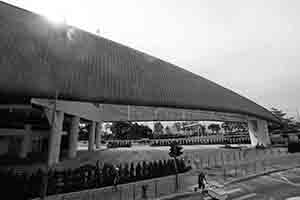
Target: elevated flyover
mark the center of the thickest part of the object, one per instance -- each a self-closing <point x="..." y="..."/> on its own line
<point x="41" y="61"/>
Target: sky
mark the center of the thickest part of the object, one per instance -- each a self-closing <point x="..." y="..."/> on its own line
<point x="249" y="46"/>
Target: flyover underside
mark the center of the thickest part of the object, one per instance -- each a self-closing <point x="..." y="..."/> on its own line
<point x="110" y="112"/>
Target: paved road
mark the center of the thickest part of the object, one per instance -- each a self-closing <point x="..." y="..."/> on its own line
<point x="278" y="186"/>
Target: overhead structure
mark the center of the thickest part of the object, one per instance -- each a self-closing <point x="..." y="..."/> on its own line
<point x="40" y="61"/>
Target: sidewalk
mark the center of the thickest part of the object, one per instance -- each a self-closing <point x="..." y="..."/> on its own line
<point x="222" y="176"/>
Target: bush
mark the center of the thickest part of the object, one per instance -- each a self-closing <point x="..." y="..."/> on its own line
<point x="117" y="144"/>
<point x="28" y="186"/>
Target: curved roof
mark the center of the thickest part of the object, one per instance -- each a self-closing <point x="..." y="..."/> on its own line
<point x="39" y="59"/>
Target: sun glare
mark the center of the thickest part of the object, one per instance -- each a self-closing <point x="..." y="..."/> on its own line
<point x="55" y="13"/>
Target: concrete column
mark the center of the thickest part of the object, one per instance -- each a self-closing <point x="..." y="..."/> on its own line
<point x="258" y="131"/>
<point x="92" y="136"/>
<point x="73" y="138"/>
<point x="98" y="134"/>
<point x="55" y="135"/>
<point x="26" y="142"/>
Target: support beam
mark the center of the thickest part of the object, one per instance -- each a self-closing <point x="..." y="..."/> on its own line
<point x="91" y="146"/>
<point x="26" y="142"/>
<point x="111" y="112"/>
<point x="98" y="134"/>
<point x="55" y="135"/>
<point x="73" y="138"/>
<point x="259" y="133"/>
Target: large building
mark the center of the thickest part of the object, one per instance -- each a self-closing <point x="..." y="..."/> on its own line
<point x="54" y="75"/>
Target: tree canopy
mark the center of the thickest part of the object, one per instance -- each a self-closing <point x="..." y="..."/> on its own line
<point x="129" y="130"/>
<point x="158" y="128"/>
<point x="287" y="123"/>
<point x="215" y="128"/>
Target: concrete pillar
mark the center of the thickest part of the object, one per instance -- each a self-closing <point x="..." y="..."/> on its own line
<point x="73" y="138"/>
<point x="55" y="135"/>
<point x="258" y="131"/>
<point x="98" y="134"/>
<point x="26" y="142"/>
<point x="92" y="136"/>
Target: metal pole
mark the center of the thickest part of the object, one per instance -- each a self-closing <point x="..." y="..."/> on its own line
<point x="208" y="161"/>
<point x="155" y="182"/>
<point x="222" y="158"/>
<point x="120" y="189"/>
<point x="235" y="170"/>
<point x="216" y="160"/>
<point x="133" y="192"/>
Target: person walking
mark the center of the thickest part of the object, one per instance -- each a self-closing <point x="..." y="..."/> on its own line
<point x="201" y="181"/>
<point x="116" y="178"/>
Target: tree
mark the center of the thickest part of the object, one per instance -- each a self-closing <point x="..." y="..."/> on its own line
<point x="174" y="152"/>
<point x="287" y="123"/>
<point x="234" y="126"/>
<point x="129" y="130"/>
<point x="168" y="130"/>
<point x="177" y="126"/>
<point x="120" y="129"/>
<point x="158" y="128"/>
<point x="215" y="128"/>
<point x="107" y="127"/>
<point x="225" y="126"/>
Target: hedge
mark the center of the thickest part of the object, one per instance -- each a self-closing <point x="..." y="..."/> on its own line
<point x="27" y="186"/>
<point x="226" y="140"/>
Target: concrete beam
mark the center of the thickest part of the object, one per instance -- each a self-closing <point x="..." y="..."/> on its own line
<point x="91" y="146"/>
<point x="55" y="135"/>
<point x="110" y="112"/>
<point x="21" y="132"/>
<point x="26" y="142"/>
<point x="258" y="131"/>
<point x="98" y="134"/>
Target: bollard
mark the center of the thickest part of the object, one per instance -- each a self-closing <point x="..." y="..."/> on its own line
<point x="133" y="193"/>
<point x="236" y="170"/>
<point x="208" y="162"/>
<point x="222" y="159"/>
<point x="155" y="188"/>
<point x="216" y="160"/>
<point x="224" y="174"/>
<point x="120" y="189"/>
<point x="234" y="157"/>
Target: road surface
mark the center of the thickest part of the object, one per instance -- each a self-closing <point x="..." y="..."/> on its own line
<point x="277" y="186"/>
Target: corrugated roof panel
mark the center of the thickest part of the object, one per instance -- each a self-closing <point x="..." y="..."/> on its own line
<point x="39" y="58"/>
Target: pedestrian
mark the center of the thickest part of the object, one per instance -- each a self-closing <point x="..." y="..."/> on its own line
<point x="201" y="181"/>
<point x="116" y="178"/>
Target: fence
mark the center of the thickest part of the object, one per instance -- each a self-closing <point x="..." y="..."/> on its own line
<point x="222" y="158"/>
<point x="222" y="165"/>
<point x="147" y="189"/>
<point x="85" y="177"/>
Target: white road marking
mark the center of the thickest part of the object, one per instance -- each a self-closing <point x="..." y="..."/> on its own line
<point x="233" y="190"/>
<point x="293" y="198"/>
<point x="278" y="180"/>
<point x="207" y="198"/>
<point x="290" y="182"/>
<point x="245" y="196"/>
